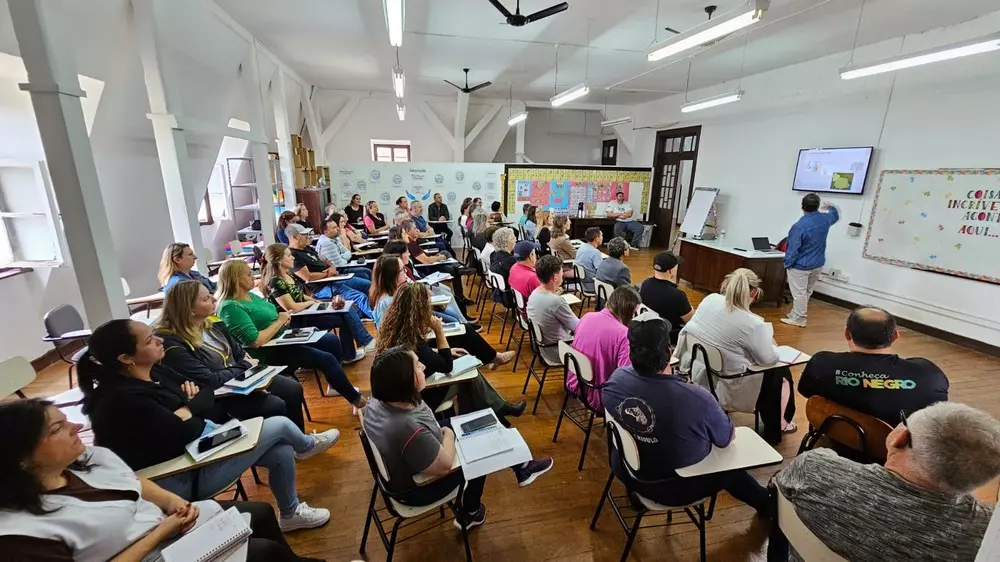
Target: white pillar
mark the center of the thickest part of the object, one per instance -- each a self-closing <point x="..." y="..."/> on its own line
<point x="519" y="143"/>
<point x="46" y="46"/>
<point x="183" y="202"/>
<point x="461" y="114"/>
<point x="258" y="147"/>
<point x="279" y="100"/>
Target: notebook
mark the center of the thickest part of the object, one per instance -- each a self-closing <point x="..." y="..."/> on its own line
<point x="249" y="381"/>
<point x="214" y="540"/>
<point x="484" y="443"/>
<point x="192" y="447"/>
<point x="464" y="364"/>
<point x="788" y="354"/>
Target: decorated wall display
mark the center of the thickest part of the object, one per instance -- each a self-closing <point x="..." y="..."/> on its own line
<point x="385" y="182"/>
<point x="945" y="221"/>
<point x="563" y="188"/>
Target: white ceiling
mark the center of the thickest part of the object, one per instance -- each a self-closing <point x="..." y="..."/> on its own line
<point x="343" y="44"/>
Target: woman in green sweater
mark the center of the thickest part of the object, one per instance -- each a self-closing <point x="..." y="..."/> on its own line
<point x="253" y="322"/>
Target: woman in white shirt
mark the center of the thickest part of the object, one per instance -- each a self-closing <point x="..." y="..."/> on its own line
<point x="744" y="338"/>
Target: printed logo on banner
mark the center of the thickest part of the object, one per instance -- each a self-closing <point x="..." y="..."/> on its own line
<point x="439" y="179"/>
<point x="345" y="195"/>
<point x="346" y="185"/>
<point x="397" y="180"/>
<point x="459" y="176"/>
<point x="452" y="197"/>
<point x="376" y="176"/>
<point x="362" y="186"/>
<point x="384" y="197"/>
<point x="476" y="186"/>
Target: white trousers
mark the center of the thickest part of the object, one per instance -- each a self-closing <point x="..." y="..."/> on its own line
<point x="801" y="282"/>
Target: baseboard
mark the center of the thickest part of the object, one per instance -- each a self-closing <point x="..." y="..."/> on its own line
<point x="949" y="337"/>
<point x="51" y="356"/>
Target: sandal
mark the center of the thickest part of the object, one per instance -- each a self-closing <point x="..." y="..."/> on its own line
<point x="790" y="428"/>
<point x="502" y="359"/>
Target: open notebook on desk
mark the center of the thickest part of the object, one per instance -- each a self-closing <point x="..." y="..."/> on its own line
<point x="488" y="450"/>
<point x="221" y="538"/>
<point x="435" y="278"/>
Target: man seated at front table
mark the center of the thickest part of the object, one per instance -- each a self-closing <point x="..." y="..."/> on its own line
<point x="661" y="294"/>
<point x="553" y="316"/>
<point x="621" y="211"/>
<point x="411" y="236"/>
<point x="523" y="278"/>
<point x="417" y="216"/>
<point x="613" y="270"/>
<point x="871" y="378"/>
<point x="309" y="266"/>
<point x="332" y="249"/>
<point x="589" y="257"/>
<point x="675" y="423"/>
<point x="919" y="506"/>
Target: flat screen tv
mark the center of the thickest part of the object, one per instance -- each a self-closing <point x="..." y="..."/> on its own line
<point x="833" y="170"/>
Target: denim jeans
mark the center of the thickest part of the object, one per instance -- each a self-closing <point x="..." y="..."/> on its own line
<point x="323" y="355"/>
<point x="633" y="228"/>
<point x="283" y="398"/>
<point x="279" y="441"/>
<point x="359" y="271"/>
<point x="356" y="290"/>
<point x="348" y="324"/>
<point x="451" y="309"/>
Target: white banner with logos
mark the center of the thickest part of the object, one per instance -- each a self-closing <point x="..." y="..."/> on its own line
<point x="385" y="182"/>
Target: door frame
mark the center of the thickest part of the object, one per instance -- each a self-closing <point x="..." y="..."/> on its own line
<point x="659" y="157"/>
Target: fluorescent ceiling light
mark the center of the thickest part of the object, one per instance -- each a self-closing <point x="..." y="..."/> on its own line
<point x="619" y="121"/>
<point x="398" y="80"/>
<point x="713" y="101"/>
<point x="711" y="30"/>
<point x="576" y="92"/>
<point x="401" y="110"/>
<point x="517" y="118"/>
<point x="395" y="11"/>
<point x="948" y="52"/>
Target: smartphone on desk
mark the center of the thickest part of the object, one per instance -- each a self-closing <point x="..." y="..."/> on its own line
<point x="323" y="306"/>
<point x="250" y="372"/>
<point x="297" y="333"/>
<point x="214" y="441"/>
<point x="479" y="423"/>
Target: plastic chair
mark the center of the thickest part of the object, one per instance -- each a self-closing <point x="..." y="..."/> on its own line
<point x="63" y="326"/>
<point x="628" y="464"/>
<point x="498" y="283"/>
<point x="398" y="511"/>
<point x="602" y="290"/>
<point x="850" y="428"/>
<point x="521" y="314"/>
<point x="576" y="364"/>
<point x="236" y="248"/>
<point x="15" y="374"/>
<point x="712" y="359"/>
<point x="585" y="295"/>
<point x="806" y="544"/>
<point x="538" y="350"/>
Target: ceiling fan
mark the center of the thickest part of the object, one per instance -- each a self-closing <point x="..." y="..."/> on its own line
<point x="467" y="89"/>
<point x="517" y="20"/>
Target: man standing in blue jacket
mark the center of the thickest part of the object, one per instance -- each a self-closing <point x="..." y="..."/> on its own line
<point x="806" y="254"/>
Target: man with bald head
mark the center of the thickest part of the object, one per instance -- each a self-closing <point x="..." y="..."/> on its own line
<point x="871" y="378"/>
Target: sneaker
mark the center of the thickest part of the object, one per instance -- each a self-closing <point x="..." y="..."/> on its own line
<point x="472" y="520"/>
<point x="305" y="518"/>
<point x="371" y="345"/>
<point x="794" y="322"/>
<point x="330" y="391"/>
<point x="321" y="442"/>
<point x="528" y="473"/>
<point x="358" y="356"/>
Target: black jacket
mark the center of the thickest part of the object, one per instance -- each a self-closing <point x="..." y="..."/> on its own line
<point x="136" y="419"/>
<point x="204" y="365"/>
<point x="436" y="211"/>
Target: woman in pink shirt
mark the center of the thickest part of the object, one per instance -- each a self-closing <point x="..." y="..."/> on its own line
<point x="603" y="338"/>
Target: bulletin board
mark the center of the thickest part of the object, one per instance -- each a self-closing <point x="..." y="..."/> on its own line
<point x="945" y="221"/>
<point x="562" y="188"/>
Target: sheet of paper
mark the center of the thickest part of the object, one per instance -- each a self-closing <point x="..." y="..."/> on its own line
<point x="518" y="453"/>
<point x="483" y="444"/>
<point x="229" y="390"/>
<point x="788" y="354"/>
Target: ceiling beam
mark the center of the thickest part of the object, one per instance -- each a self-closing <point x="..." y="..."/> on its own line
<point x="314" y="126"/>
<point x="486" y="119"/>
<point x="436" y="124"/>
<point x="338" y="121"/>
<point x="461" y="115"/>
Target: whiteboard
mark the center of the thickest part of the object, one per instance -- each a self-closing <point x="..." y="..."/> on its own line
<point x="944" y="221"/>
<point x="698" y="210"/>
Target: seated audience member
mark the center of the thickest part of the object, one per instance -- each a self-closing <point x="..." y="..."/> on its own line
<point x="495" y="214"/>
<point x="62" y="500"/>
<point x="489" y="248"/>
<point x="560" y="245"/>
<point x="676" y="423"/>
<point x="302" y="212"/>
<point x="390" y="275"/>
<point x="410" y="441"/>
<point x="407" y="322"/>
<point x="544" y="234"/>
<point x="465" y="211"/>
<point x="522" y="277"/>
<point x="411" y="236"/>
<point x="589" y="257"/>
<point x="286" y="218"/>
<point x="660" y="293"/>
<point x="146" y="420"/>
<point x="401" y="211"/>
<point x="530" y="222"/>
<point x="937" y="458"/>
<point x="177" y="264"/>
<point x="480" y="222"/>
<point x="309" y="266"/>
<point x="438" y="212"/>
<point x="331" y="247"/>
<point x="724" y="320"/>
<point x="199" y="348"/>
<point x="603" y="338"/>
<point x="621" y="210"/>
<point x="871" y="378"/>
<point x="502" y="258"/>
<point x="452" y="309"/>
<point x="548" y="310"/>
<point x="613" y="270"/>
<point x="254" y="321"/>
<point x="417" y="216"/>
<point x="524" y="214"/>
<point x="375" y="223"/>
<point x="354" y="212"/>
<point x="350" y="235"/>
<point x="288" y="293"/>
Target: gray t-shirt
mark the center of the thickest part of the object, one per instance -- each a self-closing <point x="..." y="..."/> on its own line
<point x="615" y="272"/>
<point x="554" y="318"/>
<point x="864" y="512"/>
<point x="407" y="439"/>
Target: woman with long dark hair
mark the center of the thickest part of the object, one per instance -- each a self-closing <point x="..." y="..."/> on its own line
<point x="355" y="212"/>
<point x="62" y="500"/>
<point x="140" y="414"/>
<point x="284" y="219"/>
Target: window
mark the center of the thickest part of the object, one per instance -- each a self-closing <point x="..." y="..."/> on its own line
<point x="28" y="236"/>
<point x="390" y="151"/>
<point x="213" y="206"/>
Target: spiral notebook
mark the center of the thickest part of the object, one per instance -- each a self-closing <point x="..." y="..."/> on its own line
<point x="215" y="540"/>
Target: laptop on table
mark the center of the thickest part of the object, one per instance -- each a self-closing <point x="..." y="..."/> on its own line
<point x="763" y="245"/>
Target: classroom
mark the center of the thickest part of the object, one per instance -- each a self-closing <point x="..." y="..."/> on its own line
<point x="292" y="280"/>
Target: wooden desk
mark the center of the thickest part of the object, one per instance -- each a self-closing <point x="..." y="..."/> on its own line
<point x="707" y="262"/>
<point x="184" y="463"/>
<point x="579" y="226"/>
<point x="748" y="450"/>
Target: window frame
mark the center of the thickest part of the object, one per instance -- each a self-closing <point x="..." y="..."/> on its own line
<point x="208" y="211"/>
<point x="50" y="212"/>
<point x="392" y="147"/>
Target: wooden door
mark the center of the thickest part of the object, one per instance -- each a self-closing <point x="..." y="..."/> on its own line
<point x="674" y="162"/>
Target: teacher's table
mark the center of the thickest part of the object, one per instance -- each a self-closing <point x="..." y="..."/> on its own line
<point x="579" y="226"/>
<point x="707" y="262"/>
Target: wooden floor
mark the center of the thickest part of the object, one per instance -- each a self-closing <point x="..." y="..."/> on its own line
<point x="549" y="520"/>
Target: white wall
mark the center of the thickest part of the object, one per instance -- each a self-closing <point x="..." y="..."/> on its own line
<point x="942" y="115"/>
<point x="557" y="136"/>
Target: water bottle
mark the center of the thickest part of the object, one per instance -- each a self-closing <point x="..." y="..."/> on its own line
<point x="722" y="235"/>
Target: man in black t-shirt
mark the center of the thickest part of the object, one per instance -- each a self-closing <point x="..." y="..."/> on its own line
<point x="871" y="378"/>
<point x="661" y="294"/>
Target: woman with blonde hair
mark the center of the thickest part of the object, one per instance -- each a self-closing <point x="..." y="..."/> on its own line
<point x="199" y="349"/>
<point x="289" y="293"/>
<point x="723" y="320"/>
<point x="559" y="242"/>
<point x="544" y="235"/>
<point x="406" y="323"/>
<point x="302" y="212"/>
<point x="177" y="264"/>
<point x="480" y="223"/>
<point x="254" y="322"/>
